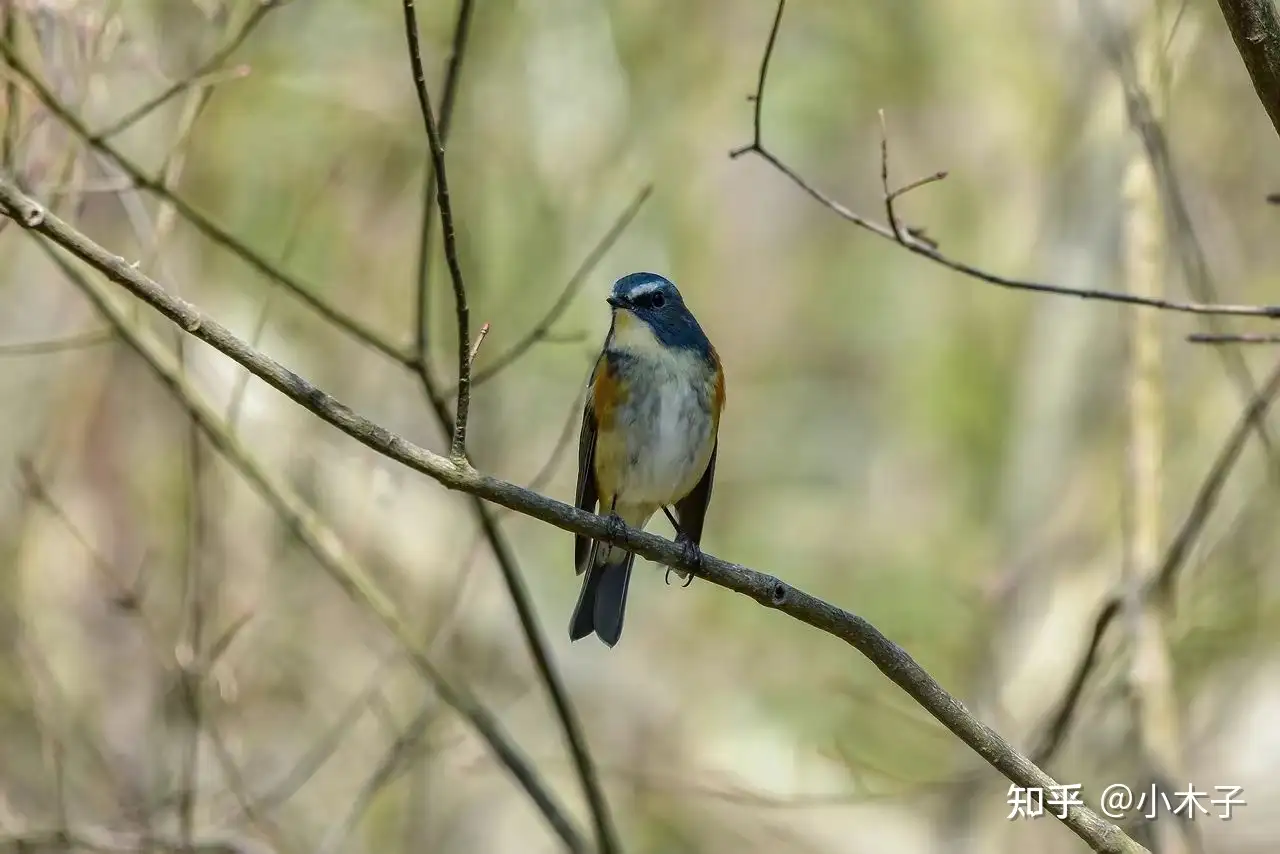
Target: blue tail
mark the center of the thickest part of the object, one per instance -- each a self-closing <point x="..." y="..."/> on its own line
<point x="603" y="600"/>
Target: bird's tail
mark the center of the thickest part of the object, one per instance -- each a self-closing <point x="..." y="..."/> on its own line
<point x="603" y="599"/>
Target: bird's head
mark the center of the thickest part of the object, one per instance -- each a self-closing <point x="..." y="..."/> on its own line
<point x="648" y="311"/>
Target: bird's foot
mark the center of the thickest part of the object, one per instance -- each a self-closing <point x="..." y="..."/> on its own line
<point x="691" y="553"/>
<point x="617" y="527"/>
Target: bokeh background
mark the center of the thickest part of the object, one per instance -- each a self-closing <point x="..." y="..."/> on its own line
<point x="949" y="459"/>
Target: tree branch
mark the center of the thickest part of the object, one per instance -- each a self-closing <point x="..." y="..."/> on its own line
<point x="926" y="248"/>
<point x="311" y="531"/>
<point x="1174" y="557"/>
<point x="452" y="78"/>
<point x="457" y="474"/>
<point x="210" y="66"/>
<point x="540" y="329"/>
<point x="1255" y="28"/>
<point x="435" y="139"/>
<point x="535" y="639"/>
<point x="207" y="227"/>
<point x="67" y="841"/>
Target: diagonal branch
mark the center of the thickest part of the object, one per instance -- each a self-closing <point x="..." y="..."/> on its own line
<point x="1255" y="28"/>
<point x="767" y="590"/>
<point x="541" y="329"/>
<point x="925" y="248"/>
<point x="320" y="540"/>
<point x="208" y="67"/>
<point x="1174" y="557"/>
<point x="1146" y="124"/>
<point x="1159" y="579"/>
<point x="211" y="230"/>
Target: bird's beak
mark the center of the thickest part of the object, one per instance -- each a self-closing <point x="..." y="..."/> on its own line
<point x="614" y="301"/>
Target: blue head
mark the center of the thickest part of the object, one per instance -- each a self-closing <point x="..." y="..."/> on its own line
<point x="656" y="304"/>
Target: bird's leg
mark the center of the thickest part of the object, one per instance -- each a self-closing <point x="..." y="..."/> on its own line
<point x="617" y="526"/>
<point x="688" y="548"/>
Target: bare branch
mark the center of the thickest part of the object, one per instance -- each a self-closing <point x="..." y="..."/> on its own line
<point x="1159" y="580"/>
<point x="1233" y="338"/>
<point x="1141" y="113"/>
<point x="541" y="329"/>
<point x="57" y="345"/>
<point x="606" y="835"/>
<point x="890" y="196"/>
<point x="928" y="249"/>
<point x="9" y="135"/>
<point x="393" y="763"/>
<point x="67" y="841"/>
<point x="452" y="80"/>
<point x="210" y="67"/>
<point x="1174" y="557"/>
<point x="213" y="232"/>
<point x="767" y="590"/>
<point x="318" y="753"/>
<point x="320" y="540"/>
<point x="1255" y="27"/>
<point x="458" y="448"/>
<point x="475" y="348"/>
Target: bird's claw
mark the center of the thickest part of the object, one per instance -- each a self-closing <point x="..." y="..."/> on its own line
<point x="617" y="527"/>
<point x="692" y="555"/>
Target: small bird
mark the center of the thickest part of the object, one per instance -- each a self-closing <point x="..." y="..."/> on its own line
<point x="648" y="440"/>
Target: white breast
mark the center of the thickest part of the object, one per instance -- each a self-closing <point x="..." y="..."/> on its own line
<point x="668" y="431"/>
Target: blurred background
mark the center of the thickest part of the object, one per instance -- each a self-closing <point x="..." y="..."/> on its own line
<point x="975" y="470"/>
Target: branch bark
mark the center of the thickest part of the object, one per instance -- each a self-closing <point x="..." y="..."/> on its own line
<point x="769" y="591"/>
<point x="1255" y="28"/>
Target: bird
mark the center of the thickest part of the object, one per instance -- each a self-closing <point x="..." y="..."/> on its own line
<point x="649" y="437"/>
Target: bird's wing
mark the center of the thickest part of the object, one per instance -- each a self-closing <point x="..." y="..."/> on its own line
<point x="692" y="509"/>
<point x="586" y="495"/>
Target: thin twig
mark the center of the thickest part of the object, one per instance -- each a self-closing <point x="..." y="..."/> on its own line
<point x="1160" y="580"/>
<point x="542" y="328"/>
<point x="475" y="347"/>
<point x="535" y="639"/>
<point x="458" y="448"/>
<point x="320" y="751"/>
<point x="211" y="66"/>
<point x="452" y="80"/>
<point x="927" y="248"/>
<point x="917" y="184"/>
<point x="422" y="315"/>
<point x="393" y="763"/>
<point x="890" y="196"/>
<point x="57" y="345"/>
<point x="207" y="227"/>
<point x="1174" y="557"/>
<point x="63" y="840"/>
<point x="1233" y="338"/>
<point x="767" y="590"/>
<point x="9" y="136"/>
<point x="1153" y="714"/>
<point x="1118" y="49"/>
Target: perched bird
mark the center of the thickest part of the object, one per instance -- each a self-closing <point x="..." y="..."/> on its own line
<point x="648" y="440"/>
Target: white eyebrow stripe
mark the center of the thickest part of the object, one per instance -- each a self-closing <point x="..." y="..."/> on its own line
<point x="641" y="290"/>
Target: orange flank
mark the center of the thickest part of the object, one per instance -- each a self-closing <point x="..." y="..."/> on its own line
<point x="720" y="394"/>
<point x="606" y="394"/>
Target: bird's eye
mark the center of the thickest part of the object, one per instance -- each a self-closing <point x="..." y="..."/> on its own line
<point x="657" y="300"/>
